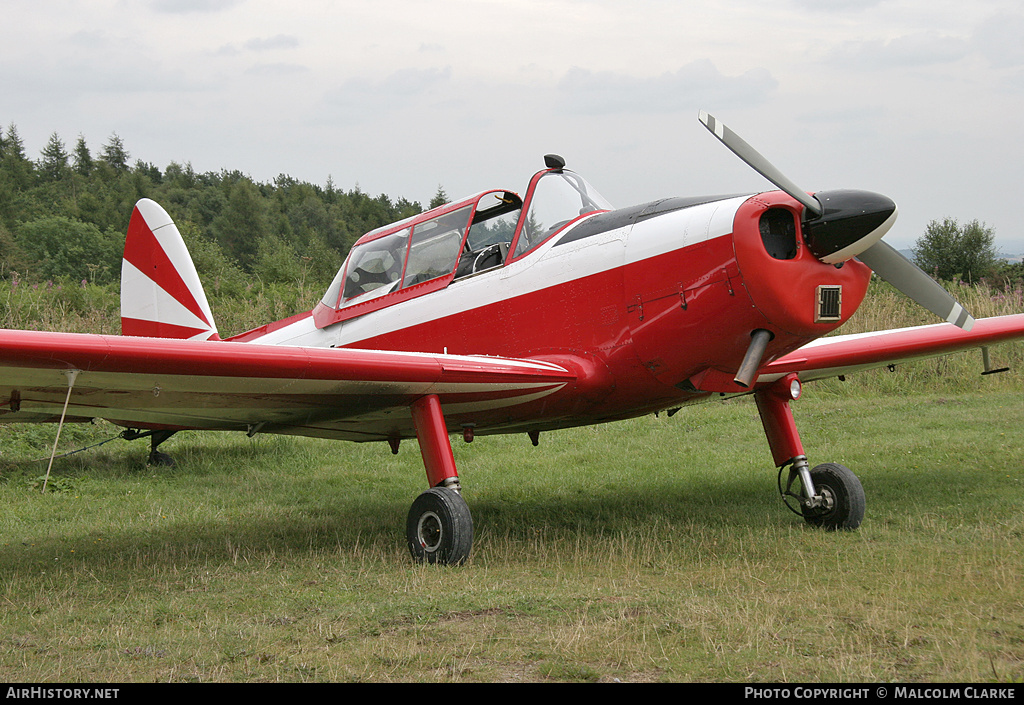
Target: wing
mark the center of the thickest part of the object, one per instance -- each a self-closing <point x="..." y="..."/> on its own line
<point x="843" y="354"/>
<point x="197" y="384"/>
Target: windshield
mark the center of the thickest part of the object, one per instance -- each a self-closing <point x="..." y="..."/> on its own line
<point x="432" y="248"/>
<point x="559" y="198"/>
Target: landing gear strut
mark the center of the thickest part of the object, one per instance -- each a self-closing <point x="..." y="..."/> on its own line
<point x="156" y="457"/>
<point x="831" y="496"/>
<point x="439" y="528"/>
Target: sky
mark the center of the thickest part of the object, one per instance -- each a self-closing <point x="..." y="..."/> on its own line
<point x="918" y="99"/>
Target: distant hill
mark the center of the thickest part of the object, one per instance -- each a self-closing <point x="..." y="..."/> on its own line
<point x="1008" y="251"/>
<point x="1011" y="250"/>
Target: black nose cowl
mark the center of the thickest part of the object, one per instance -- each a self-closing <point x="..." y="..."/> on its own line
<point x="850" y="222"/>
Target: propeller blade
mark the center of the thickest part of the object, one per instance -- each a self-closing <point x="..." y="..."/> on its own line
<point x="849" y="224"/>
<point x="757" y="162"/>
<point x="906" y="276"/>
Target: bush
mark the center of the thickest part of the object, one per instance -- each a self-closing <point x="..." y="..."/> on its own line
<point x="953" y="252"/>
<point x="60" y="247"/>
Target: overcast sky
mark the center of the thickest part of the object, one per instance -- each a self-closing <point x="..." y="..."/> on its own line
<point x="919" y="99"/>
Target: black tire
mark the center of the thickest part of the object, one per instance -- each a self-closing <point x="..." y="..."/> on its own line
<point x="844" y="496"/>
<point x="160" y="460"/>
<point x="439" y="528"/>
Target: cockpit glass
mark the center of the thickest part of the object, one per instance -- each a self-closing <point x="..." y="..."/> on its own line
<point x="428" y="250"/>
<point x="558" y="199"/>
<point x="495" y="220"/>
<point x="435" y="247"/>
<point x="424" y="252"/>
<point x="376" y="266"/>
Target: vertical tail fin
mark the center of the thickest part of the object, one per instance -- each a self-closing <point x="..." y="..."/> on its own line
<point x="161" y="296"/>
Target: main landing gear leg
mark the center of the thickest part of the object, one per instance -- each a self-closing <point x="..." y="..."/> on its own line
<point x="155" y="456"/>
<point x="156" y="437"/>
<point x="830" y="495"/>
<point x="439" y="527"/>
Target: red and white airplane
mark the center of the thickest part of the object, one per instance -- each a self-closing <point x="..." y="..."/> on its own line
<point x="501" y="314"/>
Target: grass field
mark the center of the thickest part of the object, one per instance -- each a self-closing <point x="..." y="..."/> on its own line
<point x="650" y="550"/>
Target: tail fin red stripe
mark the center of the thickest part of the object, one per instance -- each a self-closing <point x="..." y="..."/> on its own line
<point x="157" y="329"/>
<point x="143" y="251"/>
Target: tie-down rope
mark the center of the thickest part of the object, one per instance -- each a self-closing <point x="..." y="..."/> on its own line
<point x="71" y="375"/>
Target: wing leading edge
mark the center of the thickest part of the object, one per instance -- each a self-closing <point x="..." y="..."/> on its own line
<point x="176" y="384"/>
<point x="844" y="354"/>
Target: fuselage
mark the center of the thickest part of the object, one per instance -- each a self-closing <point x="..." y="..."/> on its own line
<point x="650" y="307"/>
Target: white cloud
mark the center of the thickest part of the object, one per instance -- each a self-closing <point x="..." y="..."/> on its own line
<point x="280" y="41"/>
<point x="697" y="84"/>
<point x="1001" y="40"/>
<point x="913" y="50"/>
<point x="359" y="100"/>
<point x="276" y="70"/>
<point x="837" y="5"/>
<point x="177" y="7"/>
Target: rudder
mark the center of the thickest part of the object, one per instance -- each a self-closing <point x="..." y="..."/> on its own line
<point x="161" y="295"/>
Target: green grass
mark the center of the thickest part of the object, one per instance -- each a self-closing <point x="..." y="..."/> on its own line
<point x="649" y="550"/>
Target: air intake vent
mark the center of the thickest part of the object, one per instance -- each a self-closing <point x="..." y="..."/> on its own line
<point x="829" y="304"/>
<point x="778" y="233"/>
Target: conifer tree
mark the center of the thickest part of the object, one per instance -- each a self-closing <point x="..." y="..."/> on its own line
<point x="83" y="163"/>
<point x="15" y="165"/>
<point x="439" y="199"/>
<point x="13" y="146"/>
<point x="54" y="163"/>
<point x="114" y="154"/>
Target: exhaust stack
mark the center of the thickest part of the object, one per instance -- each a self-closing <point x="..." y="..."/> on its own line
<point x="759" y="340"/>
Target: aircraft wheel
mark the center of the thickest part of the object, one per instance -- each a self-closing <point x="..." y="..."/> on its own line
<point x="843" y="495"/>
<point x="158" y="459"/>
<point x="439" y="527"/>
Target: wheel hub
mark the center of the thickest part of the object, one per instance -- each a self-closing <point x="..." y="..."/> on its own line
<point x="827" y="499"/>
<point x="429" y="531"/>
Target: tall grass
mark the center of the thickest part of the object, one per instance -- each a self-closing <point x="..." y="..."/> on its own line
<point x="83" y="307"/>
<point x="79" y="307"/>
<point x="884" y="307"/>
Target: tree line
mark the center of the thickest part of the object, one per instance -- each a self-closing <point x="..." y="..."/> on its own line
<point x="64" y="216"/>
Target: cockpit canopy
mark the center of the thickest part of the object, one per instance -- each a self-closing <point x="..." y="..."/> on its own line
<point x="464" y="238"/>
